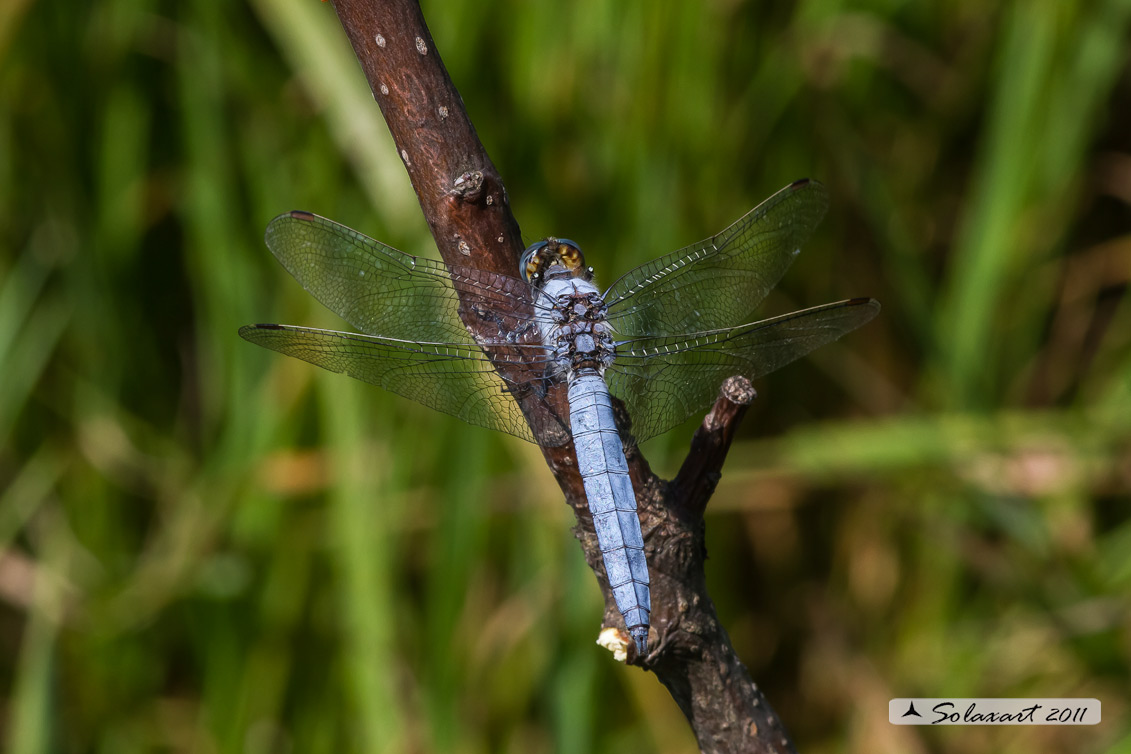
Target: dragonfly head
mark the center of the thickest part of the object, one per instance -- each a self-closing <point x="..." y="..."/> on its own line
<point x="554" y="257"/>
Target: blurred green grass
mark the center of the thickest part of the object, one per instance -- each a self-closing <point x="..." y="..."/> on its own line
<point x="206" y="548"/>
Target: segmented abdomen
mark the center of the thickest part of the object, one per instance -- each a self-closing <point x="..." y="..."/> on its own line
<point x="612" y="502"/>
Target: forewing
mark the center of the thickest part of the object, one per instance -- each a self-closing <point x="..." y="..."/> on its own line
<point x="718" y="283"/>
<point x="663" y="381"/>
<point x="385" y="292"/>
<point x="454" y="378"/>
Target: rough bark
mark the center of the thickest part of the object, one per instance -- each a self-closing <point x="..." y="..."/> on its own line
<point x="468" y="211"/>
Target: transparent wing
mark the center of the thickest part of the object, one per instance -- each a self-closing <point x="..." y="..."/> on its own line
<point x="718" y="283"/>
<point x="665" y="380"/>
<point x="455" y="378"/>
<point x="382" y="291"/>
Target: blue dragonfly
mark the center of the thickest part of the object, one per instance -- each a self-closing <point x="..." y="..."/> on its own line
<point x="491" y="348"/>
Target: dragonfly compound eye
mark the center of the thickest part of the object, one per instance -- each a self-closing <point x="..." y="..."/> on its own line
<point x="570" y="255"/>
<point x="531" y="262"/>
<point x="539" y="259"/>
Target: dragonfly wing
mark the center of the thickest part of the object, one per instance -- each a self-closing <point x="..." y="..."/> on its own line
<point x="663" y="381"/>
<point x="719" y="282"/>
<point x="382" y="291"/>
<point x="454" y="378"/>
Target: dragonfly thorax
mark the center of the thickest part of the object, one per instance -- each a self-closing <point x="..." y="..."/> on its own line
<point x="575" y="328"/>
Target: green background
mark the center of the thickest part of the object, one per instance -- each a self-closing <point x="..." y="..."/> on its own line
<point x="205" y="547"/>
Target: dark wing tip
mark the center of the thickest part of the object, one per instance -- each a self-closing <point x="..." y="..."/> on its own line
<point x="279" y="220"/>
<point x="864" y="301"/>
<point x="294" y="214"/>
<point x="871" y="304"/>
<point x="801" y="183"/>
<point x="807" y="186"/>
<point x="246" y="330"/>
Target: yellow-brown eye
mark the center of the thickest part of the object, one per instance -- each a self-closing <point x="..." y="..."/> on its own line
<point x="532" y="261"/>
<point x="539" y="258"/>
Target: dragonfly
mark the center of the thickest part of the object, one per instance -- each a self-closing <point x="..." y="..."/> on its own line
<point x="493" y="349"/>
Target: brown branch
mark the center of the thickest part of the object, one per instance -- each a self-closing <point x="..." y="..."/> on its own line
<point x="697" y="478"/>
<point x="468" y="211"/>
<point x="460" y="191"/>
